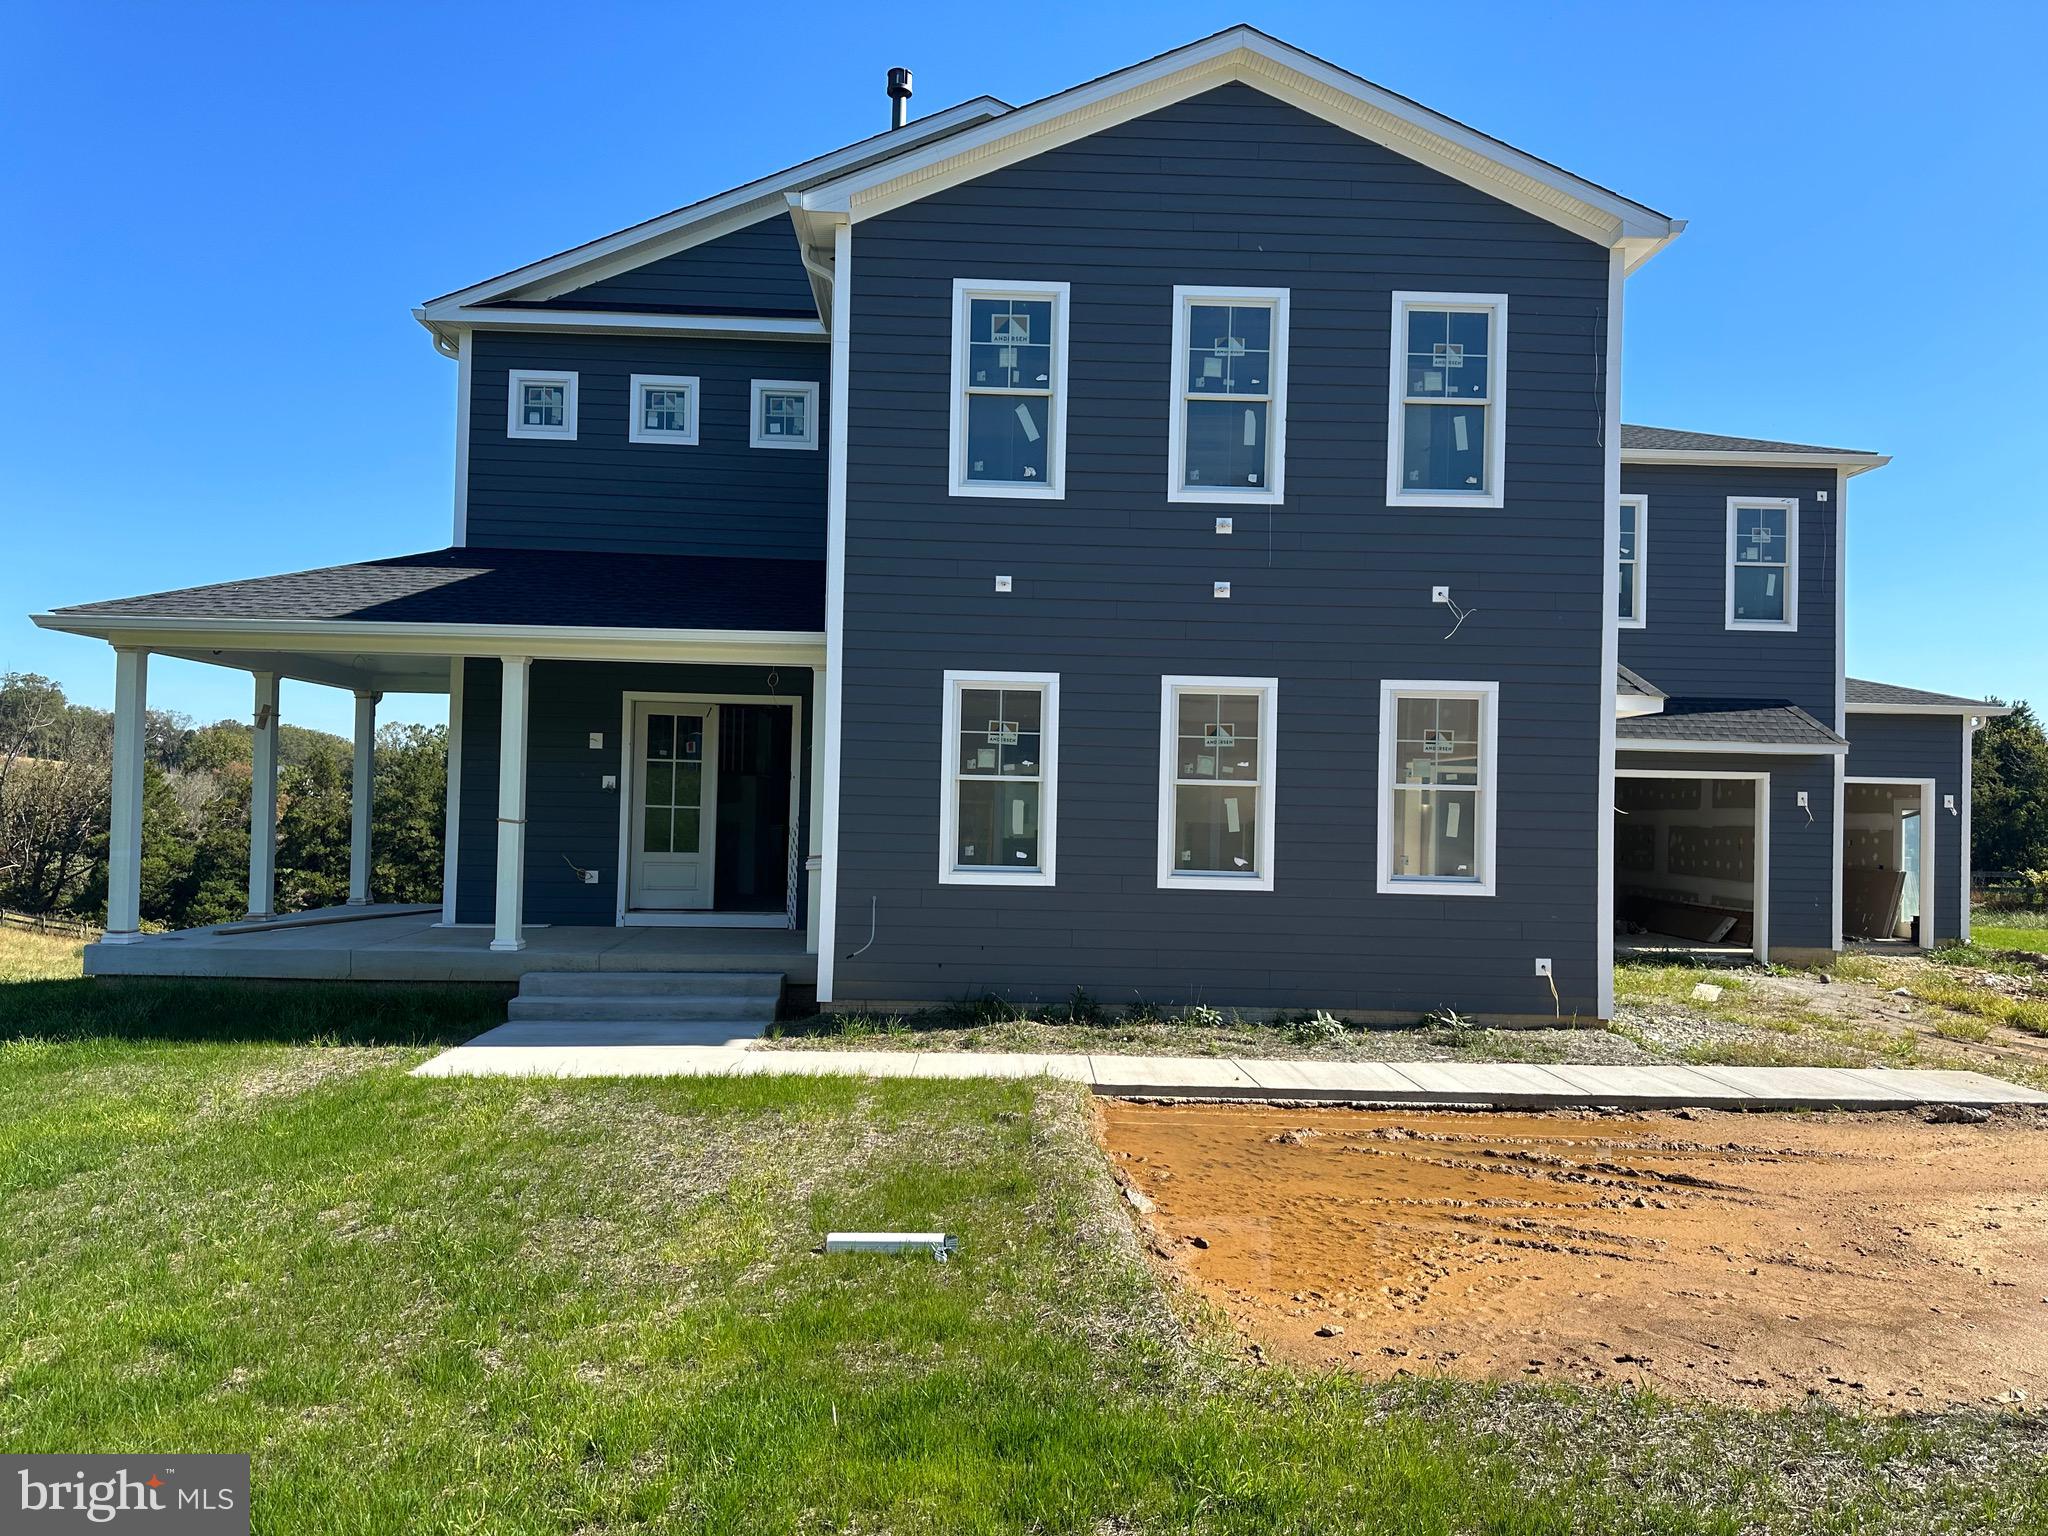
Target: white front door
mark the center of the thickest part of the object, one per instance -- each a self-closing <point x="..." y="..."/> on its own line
<point x="675" y="807"/>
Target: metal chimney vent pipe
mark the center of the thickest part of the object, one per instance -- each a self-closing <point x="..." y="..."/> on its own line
<point x="899" y="96"/>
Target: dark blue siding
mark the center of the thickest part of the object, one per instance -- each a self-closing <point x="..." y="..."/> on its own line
<point x="1331" y="590"/>
<point x="1802" y="846"/>
<point x="570" y="817"/>
<point x="1687" y="648"/>
<point x="1922" y="747"/>
<point x="601" y="491"/>
<point x="753" y="271"/>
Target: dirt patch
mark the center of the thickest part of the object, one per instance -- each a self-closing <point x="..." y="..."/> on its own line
<point x="1872" y="1260"/>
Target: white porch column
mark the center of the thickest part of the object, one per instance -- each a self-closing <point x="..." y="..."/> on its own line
<point x="451" y="840"/>
<point x="263" y="799"/>
<point x="124" y="839"/>
<point x="814" y="863"/>
<point x="511" y="900"/>
<point x="361" y="783"/>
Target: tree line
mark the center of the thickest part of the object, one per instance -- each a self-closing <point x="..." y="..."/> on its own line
<point x="56" y="762"/>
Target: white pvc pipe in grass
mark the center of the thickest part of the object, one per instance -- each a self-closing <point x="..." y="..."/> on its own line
<point x="937" y="1244"/>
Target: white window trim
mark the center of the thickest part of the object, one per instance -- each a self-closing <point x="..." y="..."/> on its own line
<point x="1267" y="690"/>
<point x="1790" y="623"/>
<point x="805" y="387"/>
<point x="1048" y="780"/>
<point x="637" y="432"/>
<point x="1055" y="486"/>
<point x="1488" y="694"/>
<point x="1273" y="492"/>
<point x="515" y="381"/>
<point x="1639" y="571"/>
<point x="1495" y="494"/>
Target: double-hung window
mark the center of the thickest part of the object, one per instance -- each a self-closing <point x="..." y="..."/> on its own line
<point x="1227" y="434"/>
<point x="1008" y="430"/>
<point x="999" y="778"/>
<point x="1447" y="397"/>
<point x="1216" y="759"/>
<point x="1763" y="563"/>
<point x="1437" y="787"/>
<point x="1634" y="518"/>
<point x="784" y="414"/>
<point x="541" y="404"/>
<point x="663" y="409"/>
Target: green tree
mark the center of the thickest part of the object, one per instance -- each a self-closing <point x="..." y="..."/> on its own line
<point x="2009" y="793"/>
<point x="409" y="803"/>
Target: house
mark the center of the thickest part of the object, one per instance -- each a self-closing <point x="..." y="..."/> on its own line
<point x="1175" y="539"/>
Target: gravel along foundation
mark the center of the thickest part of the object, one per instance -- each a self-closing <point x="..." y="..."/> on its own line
<point x="1875" y="1259"/>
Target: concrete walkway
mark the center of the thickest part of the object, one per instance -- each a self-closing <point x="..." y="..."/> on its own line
<point x="509" y="1051"/>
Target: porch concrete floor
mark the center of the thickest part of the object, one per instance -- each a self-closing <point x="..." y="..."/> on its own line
<point x="405" y="945"/>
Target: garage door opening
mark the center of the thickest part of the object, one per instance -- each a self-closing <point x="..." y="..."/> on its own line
<point x="1691" y="865"/>
<point x="1888" y="863"/>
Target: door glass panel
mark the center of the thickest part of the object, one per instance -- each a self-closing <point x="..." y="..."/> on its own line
<point x="655" y="830"/>
<point x="674" y="778"/>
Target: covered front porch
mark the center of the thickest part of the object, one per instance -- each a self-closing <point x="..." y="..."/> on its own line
<point x="412" y="944"/>
<point x="592" y="821"/>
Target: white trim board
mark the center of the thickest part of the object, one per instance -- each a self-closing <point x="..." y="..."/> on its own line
<point x="1610" y="640"/>
<point x="1852" y="463"/>
<point x="1731" y="748"/>
<point x="1930" y="808"/>
<point x="1951" y="710"/>
<point x="459" y="322"/>
<point x="1245" y="54"/>
<point x="835" y="606"/>
<point x="1046" y="870"/>
<point x="1760" y="888"/>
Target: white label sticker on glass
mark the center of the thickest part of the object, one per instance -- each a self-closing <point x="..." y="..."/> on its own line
<point x="1002" y="733"/>
<point x="1230" y="813"/>
<point x="1451" y="819"/>
<point x="1251" y="428"/>
<point x="1771" y="584"/>
<point x="1017" y="819"/>
<point x="1458" y="433"/>
<point x="1029" y="426"/>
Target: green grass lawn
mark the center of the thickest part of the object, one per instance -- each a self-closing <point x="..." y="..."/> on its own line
<point x="230" y="1221"/>
<point x="1999" y="928"/>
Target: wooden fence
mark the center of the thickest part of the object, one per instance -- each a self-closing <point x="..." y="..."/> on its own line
<point x="43" y="922"/>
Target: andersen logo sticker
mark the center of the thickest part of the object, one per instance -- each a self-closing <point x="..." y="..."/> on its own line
<point x="145" y="1495"/>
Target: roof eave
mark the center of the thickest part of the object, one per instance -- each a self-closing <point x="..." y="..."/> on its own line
<point x="1855" y="463"/>
<point x="1952" y="710"/>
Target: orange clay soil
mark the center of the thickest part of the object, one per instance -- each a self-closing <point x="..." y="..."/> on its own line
<point x="1753" y="1259"/>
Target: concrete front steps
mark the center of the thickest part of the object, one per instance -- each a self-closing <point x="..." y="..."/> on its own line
<point x="635" y="1007"/>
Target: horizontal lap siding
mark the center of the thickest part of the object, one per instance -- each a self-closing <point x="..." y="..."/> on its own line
<point x="1922" y="747"/>
<point x="753" y="271"/>
<point x="1686" y="648"/>
<point x="1802" y="846"/>
<point x="603" y="491"/>
<point x="570" y="817"/>
<point x="1330" y="592"/>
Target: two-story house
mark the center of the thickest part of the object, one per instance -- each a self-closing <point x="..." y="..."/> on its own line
<point x="1175" y="539"/>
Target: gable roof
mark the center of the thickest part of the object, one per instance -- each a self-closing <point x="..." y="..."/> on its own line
<point x="698" y="222"/>
<point x="1668" y="445"/>
<point x="1865" y="697"/>
<point x="1243" y="53"/>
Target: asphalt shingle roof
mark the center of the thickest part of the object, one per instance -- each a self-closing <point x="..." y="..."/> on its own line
<point x="1629" y="681"/>
<point x="1740" y="722"/>
<point x="1863" y="691"/>
<point x="1669" y="438"/>
<point x="571" y="588"/>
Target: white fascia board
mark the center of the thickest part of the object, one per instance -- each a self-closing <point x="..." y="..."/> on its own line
<point x="369" y="636"/>
<point x="1248" y="55"/>
<point x="725" y="327"/>
<point x="701" y="221"/>
<point x="1854" y="708"/>
<point x="1629" y="705"/>
<point x="1731" y="748"/>
<point x="1854" y="463"/>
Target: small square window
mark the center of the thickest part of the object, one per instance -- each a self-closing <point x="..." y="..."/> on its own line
<point x="662" y="408"/>
<point x="540" y="404"/>
<point x="785" y="414"/>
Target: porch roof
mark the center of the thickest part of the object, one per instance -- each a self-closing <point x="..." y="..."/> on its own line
<point x="586" y="588"/>
<point x="1727" y="725"/>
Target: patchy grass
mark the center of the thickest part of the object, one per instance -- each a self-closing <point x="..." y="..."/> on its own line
<point x="527" y="1307"/>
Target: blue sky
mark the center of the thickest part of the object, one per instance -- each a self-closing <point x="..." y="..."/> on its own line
<point x="221" y="216"/>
